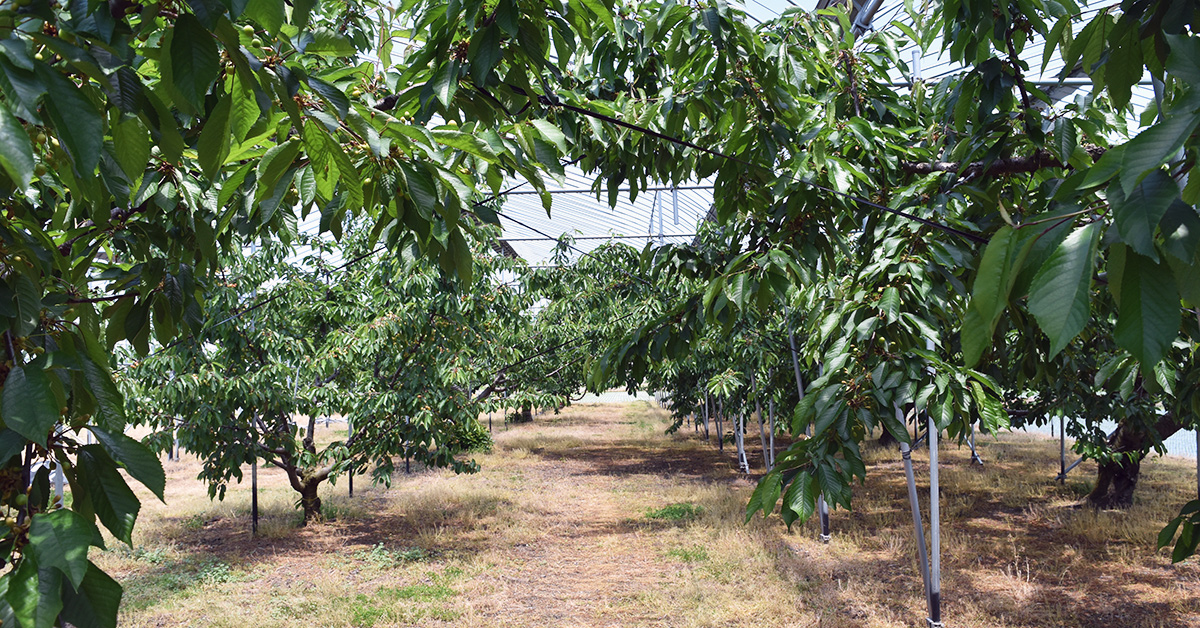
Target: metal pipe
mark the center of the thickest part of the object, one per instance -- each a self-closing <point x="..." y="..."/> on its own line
<point x="1062" y="449"/>
<point x="861" y="24"/>
<point x="762" y="433"/>
<point x="1067" y="82"/>
<point x="653" y="188"/>
<point x="915" y="505"/>
<point x="935" y="523"/>
<point x="935" y="536"/>
<point x="771" y="435"/>
<point x="254" y="496"/>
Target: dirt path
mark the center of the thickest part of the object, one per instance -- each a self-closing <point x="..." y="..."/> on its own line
<point x="555" y="531"/>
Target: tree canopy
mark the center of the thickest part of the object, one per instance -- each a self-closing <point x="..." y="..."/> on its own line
<point x="143" y="146"/>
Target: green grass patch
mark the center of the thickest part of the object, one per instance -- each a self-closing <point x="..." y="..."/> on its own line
<point x="694" y="554"/>
<point x="676" y="512"/>
<point x="382" y="557"/>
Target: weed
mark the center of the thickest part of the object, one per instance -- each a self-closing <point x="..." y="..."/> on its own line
<point x="694" y="554"/>
<point x="676" y="512"/>
<point x="220" y="573"/>
<point x="381" y="557"/>
<point x="420" y="592"/>
<point x="155" y="556"/>
<point x="194" y="522"/>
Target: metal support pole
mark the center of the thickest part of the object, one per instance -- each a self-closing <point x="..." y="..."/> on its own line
<point x="254" y="497"/>
<point x="822" y="507"/>
<point x="975" y="459"/>
<point x="58" y="485"/>
<point x="935" y="536"/>
<point x="350" y="475"/>
<point x="762" y="432"/>
<point x="720" y="432"/>
<point x="675" y="203"/>
<point x="935" y="531"/>
<point x="771" y="434"/>
<point x="915" y="505"/>
<point x="1062" y="449"/>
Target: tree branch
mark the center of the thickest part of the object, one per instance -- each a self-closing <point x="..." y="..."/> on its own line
<point x="1008" y="165"/>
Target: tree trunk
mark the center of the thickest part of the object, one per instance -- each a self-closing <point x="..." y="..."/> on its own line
<point x="886" y="439"/>
<point x="525" y="415"/>
<point x="1117" y="479"/>
<point x="310" y="502"/>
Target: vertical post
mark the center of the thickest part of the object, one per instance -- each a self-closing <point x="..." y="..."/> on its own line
<point x="771" y="407"/>
<point x="489" y="421"/>
<point x="1062" y="449"/>
<point x="350" y="475"/>
<point x="822" y="507"/>
<point x="720" y="431"/>
<point x="675" y="203"/>
<point x="1198" y="462"/>
<point x="254" y="496"/>
<point x="915" y="505"/>
<point x="706" y="436"/>
<point x="175" y="443"/>
<point x="762" y="432"/>
<point x="58" y="485"/>
<point x="935" y="532"/>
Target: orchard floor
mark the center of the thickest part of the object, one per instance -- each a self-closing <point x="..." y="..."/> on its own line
<point x="595" y="517"/>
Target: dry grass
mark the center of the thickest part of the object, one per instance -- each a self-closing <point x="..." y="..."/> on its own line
<point x="594" y="517"/>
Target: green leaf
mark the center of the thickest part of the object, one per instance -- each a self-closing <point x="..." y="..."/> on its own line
<point x="29" y="405"/>
<point x="60" y="540"/>
<point x="1059" y="297"/>
<point x="1167" y="534"/>
<point x="712" y="22"/>
<point x="1138" y="214"/>
<point x="998" y="270"/>
<point x="194" y="60"/>
<point x="1189" y="538"/>
<point x="95" y="604"/>
<point x="421" y="188"/>
<point x="35" y="595"/>
<point x="134" y="457"/>
<point x="1148" y="318"/>
<point x="800" y="500"/>
<point x="889" y="304"/>
<point x="268" y="13"/>
<point x="330" y="44"/>
<point x="243" y="111"/>
<point x="1066" y="138"/>
<point x="213" y="146"/>
<point x="1154" y="146"/>
<point x="486" y="53"/>
<point x="445" y="82"/>
<point x="109" y="401"/>
<point x="464" y="142"/>
<point x="131" y="142"/>
<point x="332" y="95"/>
<point x="115" y="505"/>
<point x="602" y="11"/>
<point x="29" y="305"/>
<point x="16" y="151"/>
<point x="275" y="162"/>
<point x="552" y="133"/>
<point x="1183" y="62"/>
<point x="79" y="125"/>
